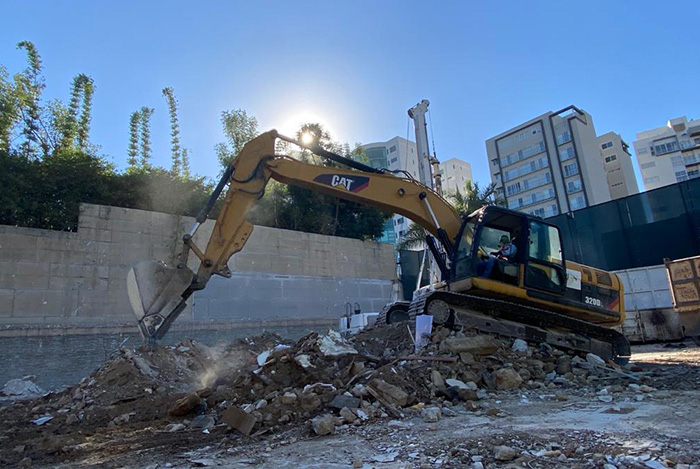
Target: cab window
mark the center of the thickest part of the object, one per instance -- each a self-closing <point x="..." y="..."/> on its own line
<point x="545" y="244"/>
<point x="545" y="268"/>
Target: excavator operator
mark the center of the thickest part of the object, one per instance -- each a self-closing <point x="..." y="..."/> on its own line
<point x="506" y="252"/>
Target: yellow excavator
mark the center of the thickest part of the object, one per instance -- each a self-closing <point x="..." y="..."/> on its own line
<point x="532" y="293"/>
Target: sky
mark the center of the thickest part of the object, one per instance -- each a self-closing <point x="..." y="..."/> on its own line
<point x="357" y="66"/>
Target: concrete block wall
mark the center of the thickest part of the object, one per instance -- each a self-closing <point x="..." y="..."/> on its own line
<point x="78" y="279"/>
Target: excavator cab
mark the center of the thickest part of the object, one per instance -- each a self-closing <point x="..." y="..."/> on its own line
<point x="510" y="247"/>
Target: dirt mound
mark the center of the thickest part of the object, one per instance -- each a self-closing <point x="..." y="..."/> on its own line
<point x="188" y="392"/>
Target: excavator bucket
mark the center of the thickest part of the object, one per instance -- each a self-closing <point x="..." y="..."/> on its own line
<point x="157" y="294"/>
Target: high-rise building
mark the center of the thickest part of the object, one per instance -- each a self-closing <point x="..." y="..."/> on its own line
<point x="395" y="154"/>
<point x="454" y="174"/>
<point x="617" y="162"/>
<point x="670" y="153"/>
<point x="550" y="164"/>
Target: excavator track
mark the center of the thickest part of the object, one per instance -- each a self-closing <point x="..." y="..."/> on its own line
<point x="516" y="320"/>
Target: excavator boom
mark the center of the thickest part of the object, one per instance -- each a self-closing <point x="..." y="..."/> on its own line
<point x="158" y="293"/>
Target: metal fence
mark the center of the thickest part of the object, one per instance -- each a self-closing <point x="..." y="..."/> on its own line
<point x="636" y="231"/>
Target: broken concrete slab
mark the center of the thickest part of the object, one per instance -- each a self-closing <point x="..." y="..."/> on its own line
<point x="476" y="345"/>
<point x="238" y="419"/>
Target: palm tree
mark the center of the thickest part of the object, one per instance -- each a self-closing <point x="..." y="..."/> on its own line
<point x="475" y="197"/>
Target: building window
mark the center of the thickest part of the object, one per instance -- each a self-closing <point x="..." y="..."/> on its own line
<point x="566" y="153"/>
<point x="519" y="137"/>
<point x="394" y="159"/>
<point x="606" y="145"/>
<point x="563" y="138"/>
<point x="642" y="151"/>
<point x="693" y="173"/>
<point x="665" y="148"/>
<point x="608" y="159"/>
<point x="494" y="161"/>
<point x="392" y="149"/>
<point x="523" y="153"/>
<point x="577" y="202"/>
<point x="648" y="165"/>
<point x="571" y="169"/>
<point x="573" y="186"/>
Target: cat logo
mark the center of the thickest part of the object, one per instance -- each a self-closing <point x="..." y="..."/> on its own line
<point x="341" y="181"/>
<point x="350" y="184"/>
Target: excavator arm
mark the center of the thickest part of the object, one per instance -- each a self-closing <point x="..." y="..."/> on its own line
<point x="158" y="293"/>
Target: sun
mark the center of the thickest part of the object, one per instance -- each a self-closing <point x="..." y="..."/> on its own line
<point x="307" y="138"/>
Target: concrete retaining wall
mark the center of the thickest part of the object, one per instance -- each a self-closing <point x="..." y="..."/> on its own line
<point x="50" y="278"/>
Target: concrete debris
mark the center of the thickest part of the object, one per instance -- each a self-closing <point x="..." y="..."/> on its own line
<point x="326" y="384"/>
<point x="187" y="405"/>
<point x="42" y="420"/>
<point x="342" y="400"/>
<point x="594" y="359"/>
<point x="506" y="379"/>
<point x="393" y="394"/>
<point x="437" y="379"/>
<point x="519" y="345"/>
<point x="239" y="420"/>
<point x="262" y="358"/>
<point x="476" y="345"/>
<point x="203" y="422"/>
<point x="431" y="414"/>
<point x="323" y="424"/>
<point x="348" y="415"/>
<point x="303" y="361"/>
<point x="333" y="345"/>
<point x="174" y="427"/>
<point x="22" y="388"/>
<point x="505" y="453"/>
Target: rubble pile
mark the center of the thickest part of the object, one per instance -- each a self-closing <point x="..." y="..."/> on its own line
<point x="264" y="384"/>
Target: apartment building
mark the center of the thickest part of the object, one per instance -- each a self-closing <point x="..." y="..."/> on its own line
<point x="454" y="174"/>
<point x="395" y="154"/>
<point x="550" y="164"/>
<point x="670" y="153"/>
<point x="617" y="162"/>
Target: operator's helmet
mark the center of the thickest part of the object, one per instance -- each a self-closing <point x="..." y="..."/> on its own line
<point x="505" y="239"/>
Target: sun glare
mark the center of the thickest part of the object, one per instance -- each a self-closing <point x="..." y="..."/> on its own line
<point x="307" y="138"/>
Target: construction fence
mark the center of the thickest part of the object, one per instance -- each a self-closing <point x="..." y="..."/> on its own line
<point x="636" y="231"/>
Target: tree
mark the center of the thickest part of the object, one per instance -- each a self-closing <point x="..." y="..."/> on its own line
<point x="239" y="128"/>
<point x="465" y="204"/>
<point x="9" y="109"/>
<point x="176" y="153"/>
<point x="88" y="88"/>
<point x="185" y="163"/>
<point x="29" y="85"/>
<point x="75" y="132"/>
<point x="134" y="121"/>
<point x="475" y="197"/>
<point x="145" y="114"/>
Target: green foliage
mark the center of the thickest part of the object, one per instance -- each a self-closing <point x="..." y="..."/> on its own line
<point x="133" y="154"/>
<point x="28" y="86"/>
<point x="176" y="154"/>
<point x="74" y="132"/>
<point x="145" y="113"/>
<point x="475" y="197"/>
<point x="9" y="108"/>
<point x="239" y="128"/>
<point x="86" y="115"/>
<point x="48" y="167"/>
